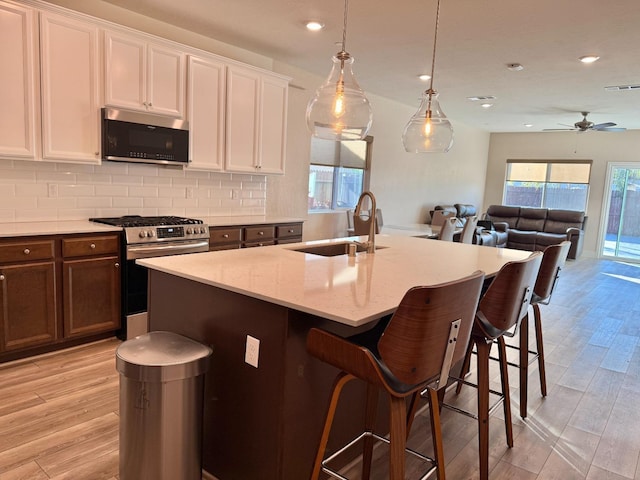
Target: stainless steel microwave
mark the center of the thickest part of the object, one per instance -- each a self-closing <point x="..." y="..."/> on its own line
<point x="129" y="136"/>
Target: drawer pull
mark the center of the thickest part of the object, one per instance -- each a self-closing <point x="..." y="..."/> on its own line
<point x="261" y="233"/>
<point x="117" y="265"/>
<point x="93" y="246"/>
<point x="1" y="278"/>
<point x="226" y="235"/>
<point x="27" y="251"/>
<point x="290" y="230"/>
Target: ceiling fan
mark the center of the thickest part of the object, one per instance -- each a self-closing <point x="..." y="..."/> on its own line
<point x="585" y="125"/>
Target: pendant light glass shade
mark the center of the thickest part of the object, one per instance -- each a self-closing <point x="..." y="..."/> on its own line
<point x="429" y="130"/>
<point x="339" y="110"/>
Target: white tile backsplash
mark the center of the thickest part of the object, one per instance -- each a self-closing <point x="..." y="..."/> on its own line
<point x="47" y="191"/>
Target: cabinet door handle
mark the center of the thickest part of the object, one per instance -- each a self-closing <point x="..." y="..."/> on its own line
<point x="1" y="278"/>
<point x="117" y="265"/>
<point x="226" y="235"/>
<point x="27" y="251"/>
<point x="92" y="246"/>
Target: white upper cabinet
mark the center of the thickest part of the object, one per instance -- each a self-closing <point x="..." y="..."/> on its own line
<point x="19" y="102"/>
<point x="140" y="75"/>
<point x="70" y="66"/>
<point x="205" y="113"/>
<point x="273" y="116"/>
<point x="256" y="121"/>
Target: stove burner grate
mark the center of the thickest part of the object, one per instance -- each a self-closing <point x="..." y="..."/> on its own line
<point x="140" y="221"/>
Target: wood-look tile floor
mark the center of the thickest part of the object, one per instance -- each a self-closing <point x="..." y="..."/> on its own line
<point x="59" y="415"/>
<point x="59" y="412"/>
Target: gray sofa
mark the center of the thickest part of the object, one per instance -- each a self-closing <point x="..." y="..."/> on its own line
<point x="536" y="228"/>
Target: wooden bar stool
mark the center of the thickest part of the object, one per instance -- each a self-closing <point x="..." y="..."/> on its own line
<point x="554" y="258"/>
<point x="414" y="351"/>
<point x="500" y="311"/>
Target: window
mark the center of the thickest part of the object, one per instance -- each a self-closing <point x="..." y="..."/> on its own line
<point x="548" y="184"/>
<point x="338" y="174"/>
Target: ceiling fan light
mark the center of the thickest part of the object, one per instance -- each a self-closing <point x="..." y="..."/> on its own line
<point x="429" y="130"/>
<point x="424" y="77"/>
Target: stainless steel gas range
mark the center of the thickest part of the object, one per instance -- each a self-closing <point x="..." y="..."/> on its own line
<point x="145" y="237"/>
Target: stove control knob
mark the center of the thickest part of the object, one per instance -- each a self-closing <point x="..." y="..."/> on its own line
<point x="203" y="230"/>
<point x="142" y="234"/>
<point x="151" y="233"/>
<point x="189" y="231"/>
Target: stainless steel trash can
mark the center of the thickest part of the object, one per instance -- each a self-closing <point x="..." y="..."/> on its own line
<point x="161" y="401"/>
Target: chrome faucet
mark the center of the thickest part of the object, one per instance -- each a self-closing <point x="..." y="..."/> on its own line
<point x="371" y="244"/>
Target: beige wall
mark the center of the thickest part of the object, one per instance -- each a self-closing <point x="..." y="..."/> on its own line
<point x="601" y="147"/>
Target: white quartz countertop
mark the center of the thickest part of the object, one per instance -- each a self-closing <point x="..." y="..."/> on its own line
<point x="351" y="291"/>
<point x="21" y="229"/>
<point x="231" y="221"/>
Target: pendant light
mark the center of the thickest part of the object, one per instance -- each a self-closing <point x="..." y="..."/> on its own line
<point x="429" y="130"/>
<point x="340" y="110"/>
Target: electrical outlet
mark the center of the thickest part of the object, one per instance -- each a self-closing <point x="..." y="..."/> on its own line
<point x="252" y="351"/>
<point x="189" y="192"/>
<point x="53" y="190"/>
<point x="235" y="194"/>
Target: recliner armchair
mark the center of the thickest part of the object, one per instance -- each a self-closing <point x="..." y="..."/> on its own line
<point x="463" y="211"/>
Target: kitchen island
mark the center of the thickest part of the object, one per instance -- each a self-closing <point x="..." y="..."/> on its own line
<point x="264" y="422"/>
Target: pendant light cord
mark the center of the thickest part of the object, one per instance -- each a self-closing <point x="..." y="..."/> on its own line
<point x="435" y="42"/>
<point x="344" y="28"/>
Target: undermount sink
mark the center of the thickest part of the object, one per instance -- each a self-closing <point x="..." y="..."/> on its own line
<point x="332" y="249"/>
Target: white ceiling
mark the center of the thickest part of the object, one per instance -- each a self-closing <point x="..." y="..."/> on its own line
<point x="392" y="43"/>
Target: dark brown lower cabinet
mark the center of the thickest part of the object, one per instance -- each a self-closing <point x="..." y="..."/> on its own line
<point x="57" y="290"/>
<point x="27" y="305"/>
<point x="91" y="296"/>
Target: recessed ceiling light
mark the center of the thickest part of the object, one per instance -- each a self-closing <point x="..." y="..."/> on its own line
<point x="589" y="58"/>
<point x="619" y="88"/>
<point x="478" y="98"/>
<point x="514" y="67"/>
<point x="528" y="125"/>
<point x="424" y="77"/>
<point x="314" y="26"/>
<point x="487" y="105"/>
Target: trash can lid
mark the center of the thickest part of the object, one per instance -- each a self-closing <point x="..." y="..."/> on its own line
<point x="161" y="356"/>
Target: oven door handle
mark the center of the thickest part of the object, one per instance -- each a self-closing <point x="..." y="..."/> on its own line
<point x="162" y="249"/>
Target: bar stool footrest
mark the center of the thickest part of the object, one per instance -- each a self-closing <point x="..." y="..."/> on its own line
<point x="495" y="405"/>
<point x="380" y="438"/>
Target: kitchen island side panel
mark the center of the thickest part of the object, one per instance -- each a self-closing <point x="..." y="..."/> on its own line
<point x="258" y="423"/>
